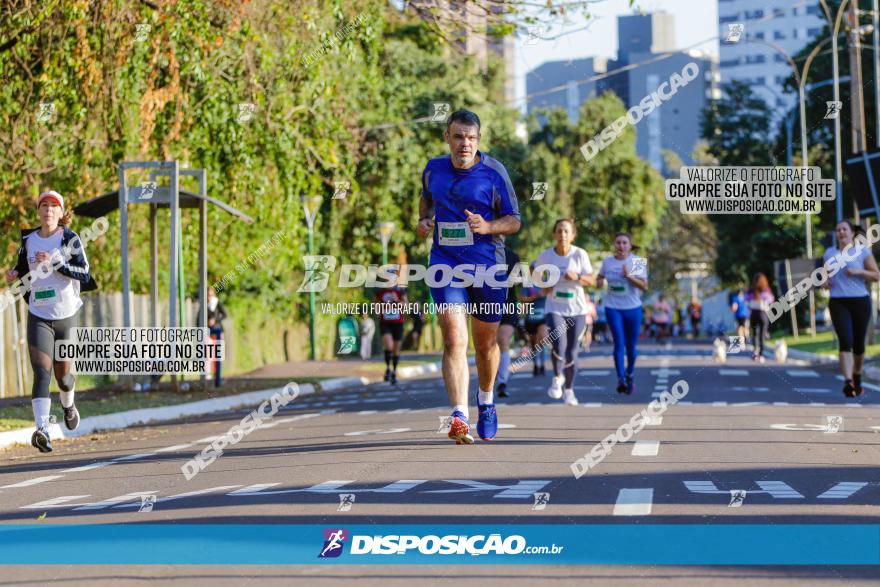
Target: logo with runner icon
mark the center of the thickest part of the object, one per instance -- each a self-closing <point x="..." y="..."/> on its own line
<point x="541" y="501"/>
<point x="318" y="270"/>
<point x="346" y="345"/>
<point x="539" y="190"/>
<point x="737" y="497"/>
<point x="736" y="344"/>
<point x="334" y="540"/>
<point x="346" y="500"/>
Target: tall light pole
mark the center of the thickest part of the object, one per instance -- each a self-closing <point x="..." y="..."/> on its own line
<point x="311" y="207"/>
<point x="385" y="230"/>
<point x="838" y="164"/>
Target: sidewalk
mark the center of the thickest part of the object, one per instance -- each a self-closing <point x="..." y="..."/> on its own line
<point x="373" y="369"/>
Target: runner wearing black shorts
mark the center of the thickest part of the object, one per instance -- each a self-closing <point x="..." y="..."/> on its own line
<point x="391" y="328"/>
<point x="507" y="328"/>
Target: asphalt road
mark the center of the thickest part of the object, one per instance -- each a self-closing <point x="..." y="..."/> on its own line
<point x="763" y="429"/>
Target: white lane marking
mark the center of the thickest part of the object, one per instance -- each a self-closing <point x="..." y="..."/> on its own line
<point x="812" y="390"/>
<point x="507" y="426"/>
<point x="660" y="387"/>
<point x="864" y="384"/>
<point x="207" y="439"/>
<point x="744" y="404"/>
<point x="779" y="489"/>
<point x="252" y="489"/>
<point x="719" y="404"/>
<point x="176" y="447"/>
<point x="91" y="467"/>
<point x="821" y="427"/>
<point x="665" y="372"/>
<point x="592" y="405"/>
<point x="801" y="373"/>
<point x="34" y="481"/>
<point x="367" y="412"/>
<point x="816" y="403"/>
<point x="646" y="448"/>
<point x="842" y="490"/>
<point x="521" y="375"/>
<point x="656" y="394"/>
<point x="781" y="404"/>
<point x="740" y="388"/>
<point x="761" y="389"/>
<point x="852" y="405"/>
<point x="182" y="495"/>
<point x="133" y="457"/>
<point x="400" y="411"/>
<point x="378" y="431"/>
<point x="733" y="372"/>
<point x="594" y="372"/>
<point x="55" y="502"/>
<point x="100" y="505"/>
<point x="634" y="502"/>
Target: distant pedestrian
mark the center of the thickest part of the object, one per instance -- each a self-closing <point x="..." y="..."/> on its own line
<point x="759" y="298"/>
<point x="695" y="312"/>
<point x="216" y="315"/>
<point x="367" y="328"/>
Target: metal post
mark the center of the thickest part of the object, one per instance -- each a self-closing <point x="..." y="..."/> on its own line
<point x="154" y="266"/>
<point x="875" y="19"/>
<point x="203" y="260"/>
<point x="794" y="326"/>
<point x="311" y="248"/>
<point x="175" y="237"/>
<point x="838" y="164"/>
<point x="123" y="238"/>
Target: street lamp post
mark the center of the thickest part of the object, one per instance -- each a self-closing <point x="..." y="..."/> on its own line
<point x="385" y="230"/>
<point x="311" y="207"/>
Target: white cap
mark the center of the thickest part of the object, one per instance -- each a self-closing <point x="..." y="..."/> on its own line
<point x="53" y="195"/>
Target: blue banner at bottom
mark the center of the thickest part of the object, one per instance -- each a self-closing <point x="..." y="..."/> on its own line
<point x="285" y="544"/>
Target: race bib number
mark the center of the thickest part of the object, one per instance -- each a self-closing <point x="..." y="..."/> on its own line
<point x="563" y="295"/>
<point x="618" y="288"/>
<point x="455" y="234"/>
<point x="44" y="296"/>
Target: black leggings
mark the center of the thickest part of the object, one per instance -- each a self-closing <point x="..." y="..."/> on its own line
<point x="760" y="325"/>
<point x="41" y="337"/>
<point x="850" y="317"/>
<point x="565" y="332"/>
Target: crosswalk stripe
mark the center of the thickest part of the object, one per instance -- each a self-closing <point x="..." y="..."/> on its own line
<point x="842" y="490"/>
<point x="55" y="502"/>
<point x="34" y="481"/>
<point x="801" y="373"/>
<point x="733" y="372"/>
<point x="646" y="448"/>
<point x="634" y="502"/>
<point x="90" y="467"/>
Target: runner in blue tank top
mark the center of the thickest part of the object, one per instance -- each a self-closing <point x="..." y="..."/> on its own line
<point x="468" y="204"/>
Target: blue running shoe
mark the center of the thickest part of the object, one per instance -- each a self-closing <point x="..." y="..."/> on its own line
<point x="460" y="429"/>
<point x="487" y="424"/>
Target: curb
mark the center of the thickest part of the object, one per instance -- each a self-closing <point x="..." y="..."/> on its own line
<point x="119" y="420"/>
<point x="872" y="372"/>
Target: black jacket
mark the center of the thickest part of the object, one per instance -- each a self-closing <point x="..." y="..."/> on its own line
<point x="77" y="267"/>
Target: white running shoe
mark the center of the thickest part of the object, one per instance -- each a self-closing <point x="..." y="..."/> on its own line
<point x="570" y="398"/>
<point x="555" y="389"/>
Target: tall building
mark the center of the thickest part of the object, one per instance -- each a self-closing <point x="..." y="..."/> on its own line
<point x="642" y="39"/>
<point x="751" y="60"/>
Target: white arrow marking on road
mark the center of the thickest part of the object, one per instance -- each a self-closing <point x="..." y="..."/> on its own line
<point x="634" y="502"/>
<point x="776" y="489"/>
<point x="91" y="467"/>
<point x="733" y="372"/>
<point x="100" y="505"/>
<point x="35" y="481"/>
<point x="55" y="502"/>
<point x="801" y="373"/>
<point x="842" y="490"/>
<point x="183" y="495"/>
<point x="522" y="488"/>
<point x="646" y="448"/>
<point x="378" y="431"/>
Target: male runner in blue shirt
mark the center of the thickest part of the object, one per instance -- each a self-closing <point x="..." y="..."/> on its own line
<point x="468" y="204"/>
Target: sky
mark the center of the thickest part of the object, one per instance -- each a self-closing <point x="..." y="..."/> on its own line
<point x="695" y="20"/>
